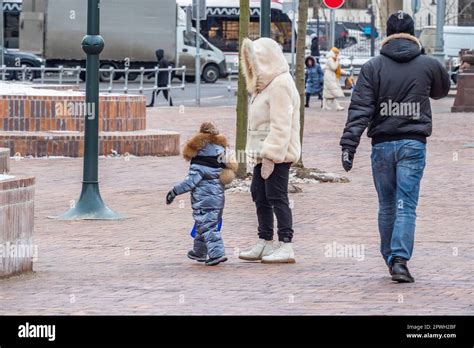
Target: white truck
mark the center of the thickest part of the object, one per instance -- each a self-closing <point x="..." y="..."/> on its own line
<point x="132" y="31"/>
<point x="455" y="39"/>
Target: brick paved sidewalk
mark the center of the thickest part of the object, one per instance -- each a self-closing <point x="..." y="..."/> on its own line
<point x="139" y="266"/>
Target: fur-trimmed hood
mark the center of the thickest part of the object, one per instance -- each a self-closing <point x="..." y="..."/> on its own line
<point x="200" y="140"/>
<point x="262" y="60"/>
<point x="401" y="47"/>
<point x="310" y="58"/>
<point x="401" y="36"/>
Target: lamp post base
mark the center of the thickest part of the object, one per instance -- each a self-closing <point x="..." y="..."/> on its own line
<point x="90" y="206"/>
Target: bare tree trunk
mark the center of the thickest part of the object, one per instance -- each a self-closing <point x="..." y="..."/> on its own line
<point x="299" y="74"/>
<point x="242" y="95"/>
<point x="385" y="9"/>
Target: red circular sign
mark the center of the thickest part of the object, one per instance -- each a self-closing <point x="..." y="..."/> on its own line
<point x="333" y="4"/>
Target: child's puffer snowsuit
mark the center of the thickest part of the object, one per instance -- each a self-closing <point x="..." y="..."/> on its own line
<point x="209" y="171"/>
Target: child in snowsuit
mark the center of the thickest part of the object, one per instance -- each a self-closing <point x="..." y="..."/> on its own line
<point x="314" y="79"/>
<point x="210" y="170"/>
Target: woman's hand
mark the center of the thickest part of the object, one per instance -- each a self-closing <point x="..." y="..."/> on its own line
<point x="267" y="168"/>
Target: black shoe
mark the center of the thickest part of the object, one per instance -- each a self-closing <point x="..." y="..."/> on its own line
<point x="150" y="105"/>
<point x="400" y="272"/>
<point x="195" y="257"/>
<point x="306" y="105"/>
<point x="215" y="261"/>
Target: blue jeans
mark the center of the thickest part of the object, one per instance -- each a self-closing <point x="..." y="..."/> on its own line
<point x="397" y="169"/>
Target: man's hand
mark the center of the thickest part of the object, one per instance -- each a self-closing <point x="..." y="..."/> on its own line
<point x="170" y="196"/>
<point x="347" y="159"/>
<point x="267" y="168"/>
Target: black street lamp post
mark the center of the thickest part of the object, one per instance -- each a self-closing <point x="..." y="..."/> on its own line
<point x="265" y="18"/>
<point x="90" y="204"/>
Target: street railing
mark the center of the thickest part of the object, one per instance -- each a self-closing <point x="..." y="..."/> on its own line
<point x="231" y="75"/>
<point x="67" y="75"/>
<point x="234" y="75"/>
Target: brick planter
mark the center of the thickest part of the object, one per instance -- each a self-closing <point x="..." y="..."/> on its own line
<point x="4" y="160"/>
<point x="67" y="113"/>
<point x="16" y="225"/>
<point x="71" y="144"/>
<point x="51" y="123"/>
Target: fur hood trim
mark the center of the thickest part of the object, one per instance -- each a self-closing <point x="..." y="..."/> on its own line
<point x="199" y="141"/>
<point x="262" y="60"/>
<point x="402" y="36"/>
<point x="228" y="174"/>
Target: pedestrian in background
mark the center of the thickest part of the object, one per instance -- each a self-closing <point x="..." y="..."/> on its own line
<point x="392" y="98"/>
<point x="163" y="78"/>
<point x="315" y="47"/>
<point x="314" y="79"/>
<point x="332" y="73"/>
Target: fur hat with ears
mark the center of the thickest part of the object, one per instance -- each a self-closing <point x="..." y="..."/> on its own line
<point x="209" y="128"/>
<point x="208" y="134"/>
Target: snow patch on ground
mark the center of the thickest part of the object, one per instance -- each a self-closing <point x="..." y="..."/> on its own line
<point x="297" y="176"/>
<point x="15" y="88"/>
<point x="4" y="177"/>
<point x="24" y="89"/>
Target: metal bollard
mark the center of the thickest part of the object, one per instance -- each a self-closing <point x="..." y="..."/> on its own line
<point x="169" y="81"/>
<point x="125" y="87"/>
<point x="61" y="70"/>
<point x="142" y="75"/>
<point x="155" y="87"/>
<point x="43" y="72"/>
<point x="23" y="67"/>
<point x="111" y="82"/>
<point x="183" y="77"/>
<point x="78" y="75"/>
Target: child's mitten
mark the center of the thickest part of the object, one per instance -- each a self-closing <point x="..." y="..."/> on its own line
<point x="170" y="196"/>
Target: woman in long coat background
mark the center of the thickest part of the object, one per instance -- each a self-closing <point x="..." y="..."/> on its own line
<point x="332" y="73"/>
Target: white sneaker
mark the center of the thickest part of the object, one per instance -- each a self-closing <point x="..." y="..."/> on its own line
<point x="284" y="254"/>
<point x="261" y="249"/>
<point x="325" y="105"/>
<point x="339" y="107"/>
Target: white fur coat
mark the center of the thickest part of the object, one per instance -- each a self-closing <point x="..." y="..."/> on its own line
<point x="332" y="87"/>
<point x="273" y="116"/>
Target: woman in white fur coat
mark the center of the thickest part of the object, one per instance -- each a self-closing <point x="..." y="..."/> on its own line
<point x="332" y="72"/>
<point x="273" y="142"/>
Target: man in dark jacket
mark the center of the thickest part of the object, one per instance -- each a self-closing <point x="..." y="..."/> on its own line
<point x="163" y="77"/>
<point x="315" y="47"/>
<point x="391" y="98"/>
